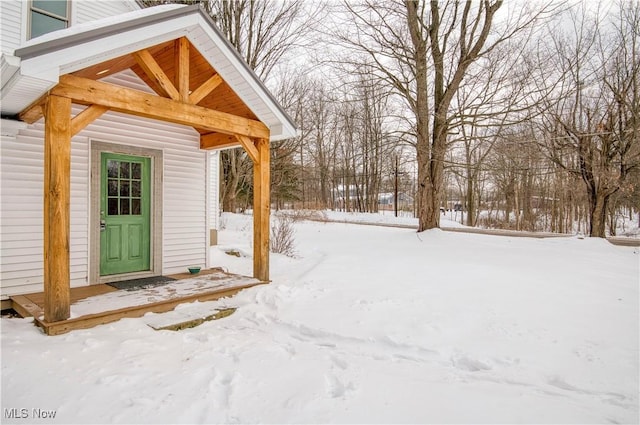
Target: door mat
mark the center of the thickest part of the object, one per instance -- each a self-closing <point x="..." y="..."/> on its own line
<point x="142" y="283"/>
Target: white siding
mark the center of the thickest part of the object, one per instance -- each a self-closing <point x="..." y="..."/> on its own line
<point x="10" y="30"/>
<point x="21" y="189"/>
<point x="214" y="188"/>
<point x="90" y="10"/>
<point x="21" y="230"/>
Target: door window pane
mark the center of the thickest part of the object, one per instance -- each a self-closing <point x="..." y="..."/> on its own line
<point x="136" y="171"/>
<point x="135" y="188"/>
<point x="113" y="187"/>
<point x="112" y="168"/>
<point x="135" y="207"/>
<point x="124" y="206"/>
<point x="124" y="170"/>
<point x="124" y="188"/>
<point x="113" y="206"/>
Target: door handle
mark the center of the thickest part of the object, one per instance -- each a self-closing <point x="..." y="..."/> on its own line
<point x="103" y="225"/>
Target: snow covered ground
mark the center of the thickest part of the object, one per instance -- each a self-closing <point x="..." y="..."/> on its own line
<point x="367" y="325"/>
<point x="385" y="217"/>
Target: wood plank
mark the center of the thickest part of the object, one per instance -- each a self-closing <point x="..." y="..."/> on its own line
<point x="6" y="304"/>
<point x="222" y="141"/>
<point x="181" y="58"/>
<point x="35" y="111"/>
<point x="205" y="88"/>
<point x="249" y="147"/>
<point x="107" y="68"/>
<point x="57" y="195"/>
<point x="261" y="211"/>
<point x="86" y="117"/>
<point x="91" y="320"/>
<point x="134" y="102"/>
<point x="226" y="100"/>
<point x="218" y="141"/>
<point x="77" y="294"/>
<point x="153" y="71"/>
<point x="26" y="307"/>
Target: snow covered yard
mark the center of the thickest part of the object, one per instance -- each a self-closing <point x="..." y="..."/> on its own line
<point x="368" y="325"/>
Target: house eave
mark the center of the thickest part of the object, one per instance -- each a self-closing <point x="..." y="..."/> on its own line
<point x="44" y="59"/>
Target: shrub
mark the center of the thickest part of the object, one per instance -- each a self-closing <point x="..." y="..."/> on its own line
<point x="301" y="215"/>
<point x="282" y="236"/>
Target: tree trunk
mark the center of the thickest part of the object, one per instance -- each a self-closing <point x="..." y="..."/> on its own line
<point x="470" y="201"/>
<point x="427" y="217"/>
<point x="598" y="215"/>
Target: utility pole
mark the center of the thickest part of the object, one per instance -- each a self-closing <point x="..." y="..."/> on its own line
<point x="395" y="195"/>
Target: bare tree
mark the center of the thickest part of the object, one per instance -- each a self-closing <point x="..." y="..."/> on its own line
<point x="263" y="33"/>
<point x="423" y="51"/>
<point x="364" y="143"/>
<point x="592" y="123"/>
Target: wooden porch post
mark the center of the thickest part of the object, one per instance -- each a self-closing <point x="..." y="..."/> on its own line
<point x="57" y="194"/>
<point x="261" y="210"/>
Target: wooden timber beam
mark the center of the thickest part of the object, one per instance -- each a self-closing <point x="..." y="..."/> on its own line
<point x="35" y="111"/>
<point x="218" y="141"/>
<point x="204" y="89"/>
<point x="249" y="147"/>
<point x="182" y="67"/>
<point x="86" y="117"/>
<point x="155" y="72"/>
<point x="222" y="141"/>
<point x="261" y="211"/>
<point x="57" y="195"/>
<point x="134" y="102"/>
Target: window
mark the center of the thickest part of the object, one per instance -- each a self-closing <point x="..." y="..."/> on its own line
<point x="48" y="15"/>
<point x="124" y="187"/>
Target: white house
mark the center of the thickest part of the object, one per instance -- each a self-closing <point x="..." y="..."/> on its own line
<point x="125" y="184"/>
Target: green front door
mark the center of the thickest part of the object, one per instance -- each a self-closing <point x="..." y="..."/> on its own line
<point x="124" y="213"/>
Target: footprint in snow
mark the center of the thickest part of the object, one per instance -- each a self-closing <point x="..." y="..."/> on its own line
<point x="469" y="364"/>
<point x="336" y="388"/>
<point x="220" y="389"/>
<point x="339" y="362"/>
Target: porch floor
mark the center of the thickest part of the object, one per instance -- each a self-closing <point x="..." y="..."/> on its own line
<point x="99" y="304"/>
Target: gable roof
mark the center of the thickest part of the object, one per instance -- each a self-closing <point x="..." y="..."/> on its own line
<point x="44" y="59"/>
